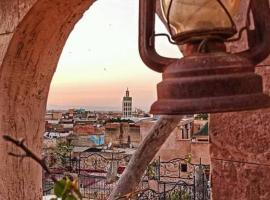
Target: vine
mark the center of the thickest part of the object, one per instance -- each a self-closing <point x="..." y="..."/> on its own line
<point x="65" y="188"/>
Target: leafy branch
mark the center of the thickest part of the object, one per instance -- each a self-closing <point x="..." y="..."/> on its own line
<point x="65" y="188"/>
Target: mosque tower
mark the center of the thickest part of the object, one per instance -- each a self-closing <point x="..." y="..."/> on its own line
<point x="127" y="105"/>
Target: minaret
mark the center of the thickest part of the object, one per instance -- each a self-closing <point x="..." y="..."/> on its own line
<point x="127" y="105"/>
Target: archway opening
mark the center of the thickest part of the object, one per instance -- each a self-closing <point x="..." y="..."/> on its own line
<point x="101" y="59"/>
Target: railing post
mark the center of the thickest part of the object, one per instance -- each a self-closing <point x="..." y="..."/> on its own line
<point x="194" y="188"/>
<point x="70" y="164"/>
<point x="179" y="169"/>
<point x="164" y="190"/>
<point x="159" y="168"/>
<point x="79" y="164"/>
<point x="203" y="187"/>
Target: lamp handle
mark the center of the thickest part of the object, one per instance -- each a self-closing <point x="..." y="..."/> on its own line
<point x="259" y="39"/>
<point x="150" y="57"/>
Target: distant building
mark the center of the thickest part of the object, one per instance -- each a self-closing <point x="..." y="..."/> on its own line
<point x="190" y="137"/>
<point x="122" y="134"/>
<point x="53" y="115"/>
<point x="127" y="106"/>
<point x="87" y="129"/>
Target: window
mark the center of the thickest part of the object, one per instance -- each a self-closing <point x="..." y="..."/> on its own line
<point x="183" y="167"/>
<point x="184" y="133"/>
<point x="203" y="140"/>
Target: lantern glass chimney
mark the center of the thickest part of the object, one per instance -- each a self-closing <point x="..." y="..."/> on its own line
<point x="191" y="20"/>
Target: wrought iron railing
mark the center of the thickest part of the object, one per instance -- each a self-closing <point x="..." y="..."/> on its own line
<point x="169" y="191"/>
<point x="174" y="179"/>
<point x="95" y="187"/>
<point x="96" y="162"/>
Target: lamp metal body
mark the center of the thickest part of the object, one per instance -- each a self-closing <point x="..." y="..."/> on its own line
<point x="212" y="81"/>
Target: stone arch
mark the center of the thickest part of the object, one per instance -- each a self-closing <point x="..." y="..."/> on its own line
<point x="25" y="75"/>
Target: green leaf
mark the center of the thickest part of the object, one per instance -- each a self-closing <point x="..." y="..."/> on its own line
<point x="59" y="187"/>
<point x="70" y="197"/>
<point x="67" y="188"/>
<point x="188" y="158"/>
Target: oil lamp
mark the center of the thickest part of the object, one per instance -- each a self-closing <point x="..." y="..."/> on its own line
<point x="200" y="19"/>
<point x="207" y="79"/>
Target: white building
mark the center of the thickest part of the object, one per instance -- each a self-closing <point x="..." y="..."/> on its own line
<point x="127" y="105"/>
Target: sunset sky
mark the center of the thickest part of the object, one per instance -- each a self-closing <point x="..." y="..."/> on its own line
<point x="101" y="59"/>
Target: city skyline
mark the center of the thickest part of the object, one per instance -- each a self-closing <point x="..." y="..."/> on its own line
<point x="101" y="59"/>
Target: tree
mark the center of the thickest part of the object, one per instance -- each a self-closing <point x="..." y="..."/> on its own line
<point x="145" y="153"/>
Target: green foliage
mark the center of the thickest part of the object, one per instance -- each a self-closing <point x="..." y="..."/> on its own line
<point x="202" y="116"/>
<point x="63" y="151"/>
<point x="188" y="158"/>
<point x="151" y="170"/>
<point x="179" y="195"/>
<point x="67" y="189"/>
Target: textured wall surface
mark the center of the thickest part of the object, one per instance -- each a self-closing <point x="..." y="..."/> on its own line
<point x="240" y="145"/>
<point x="174" y="147"/>
<point x="240" y="155"/>
<point x="32" y="36"/>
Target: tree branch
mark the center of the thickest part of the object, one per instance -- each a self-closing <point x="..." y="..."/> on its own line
<point x="27" y="153"/>
<point x="145" y="153"/>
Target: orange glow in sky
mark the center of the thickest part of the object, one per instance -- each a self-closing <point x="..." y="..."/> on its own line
<point x="101" y="59"/>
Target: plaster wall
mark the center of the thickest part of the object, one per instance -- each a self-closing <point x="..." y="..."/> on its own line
<point x="120" y="134"/>
<point x="240" y="144"/>
<point x="175" y="147"/>
<point x="32" y="36"/>
<point x="200" y="152"/>
<point x="240" y="155"/>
